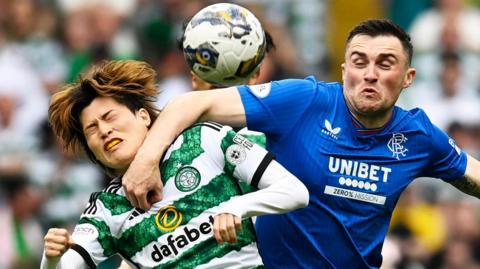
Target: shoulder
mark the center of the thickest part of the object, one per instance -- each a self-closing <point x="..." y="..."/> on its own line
<point x="414" y="119"/>
<point x="114" y="186"/>
<point x="207" y="125"/>
<point x="204" y="134"/>
<point x="111" y="196"/>
<point x="309" y="82"/>
<point x="295" y="84"/>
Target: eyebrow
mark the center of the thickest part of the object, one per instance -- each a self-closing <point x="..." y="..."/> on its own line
<point x="104" y="115"/>
<point x="381" y="55"/>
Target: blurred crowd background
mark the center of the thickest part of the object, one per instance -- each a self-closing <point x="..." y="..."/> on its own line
<point x="46" y="43"/>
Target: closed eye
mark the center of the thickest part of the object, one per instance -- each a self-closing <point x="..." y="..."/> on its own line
<point x="90" y="129"/>
<point x="385" y="64"/>
<point x="110" y="116"/>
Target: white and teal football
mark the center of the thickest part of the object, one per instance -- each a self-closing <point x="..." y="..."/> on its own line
<point x="224" y="44"/>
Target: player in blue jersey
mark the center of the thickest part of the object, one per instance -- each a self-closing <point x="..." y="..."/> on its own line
<point x="349" y="144"/>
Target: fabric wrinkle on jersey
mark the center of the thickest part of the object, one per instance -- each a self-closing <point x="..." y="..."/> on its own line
<point x="195" y="185"/>
<point x="355" y="176"/>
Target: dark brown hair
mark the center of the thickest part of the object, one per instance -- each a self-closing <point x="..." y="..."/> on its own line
<point x="377" y="27"/>
<point x="131" y="83"/>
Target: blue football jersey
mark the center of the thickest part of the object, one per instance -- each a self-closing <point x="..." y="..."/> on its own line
<point x="355" y="175"/>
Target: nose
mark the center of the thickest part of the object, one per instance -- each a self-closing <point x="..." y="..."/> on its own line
<point x="370" y="73"/>
<point x="105" y="130"/>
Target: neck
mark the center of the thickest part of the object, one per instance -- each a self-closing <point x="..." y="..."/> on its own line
<point x="370" y="120"/>
<point x="374" y="121"/>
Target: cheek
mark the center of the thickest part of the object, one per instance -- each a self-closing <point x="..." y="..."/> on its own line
<point x="139" y="134"/>
<point x="95" y="147"/>
<point x="351" y="78"/>
<point x="394" y="79"/>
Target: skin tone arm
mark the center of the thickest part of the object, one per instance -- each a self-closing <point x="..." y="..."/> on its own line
<point x="142" y="177"/>
<point x="470" y="183"/>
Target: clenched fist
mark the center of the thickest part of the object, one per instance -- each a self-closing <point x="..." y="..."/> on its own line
<point x="57" y="241"/>
<point x="225" y="227"/>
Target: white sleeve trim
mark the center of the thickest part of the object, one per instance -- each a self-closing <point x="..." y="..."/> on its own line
<point x="70" y="260"/>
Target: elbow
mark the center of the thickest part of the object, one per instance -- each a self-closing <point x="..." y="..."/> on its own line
<point x="303" y="196"/>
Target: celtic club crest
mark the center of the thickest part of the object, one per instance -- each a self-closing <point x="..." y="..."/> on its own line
<point x="187" y="178"/>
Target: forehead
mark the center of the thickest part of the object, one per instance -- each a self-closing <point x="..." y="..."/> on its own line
<point x="98" y="107"/>
<point x="375" y="46"/>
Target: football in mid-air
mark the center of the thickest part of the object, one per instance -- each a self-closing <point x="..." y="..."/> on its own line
<point x="224" y="44"/>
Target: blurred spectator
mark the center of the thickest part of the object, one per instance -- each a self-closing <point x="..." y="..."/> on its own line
<point x="450" y="92"/>
<point x="404" y="13"/>
<point x="97" y="30"/>
<point x="466" y="137"/>
<point x="22" y="237"/>
<point x="426" y="30"/>
<point x="173" y="81"/>
<point x="301" y="51"/>
<point x="418" y="226"/>
<point x="23" y="105"/>
<point x="459" y="251"/>
<point x="301" y="27"/>
<point x="31" y="27"/>
<point x="159" y="24"/>
<point x="24" y="100"/>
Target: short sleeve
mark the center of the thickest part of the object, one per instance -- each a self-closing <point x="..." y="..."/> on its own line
<point x="274" y="108"/>
<point x="449" y="162"/>
<point x="93" y="233"/>
<point x="236" y="155"/>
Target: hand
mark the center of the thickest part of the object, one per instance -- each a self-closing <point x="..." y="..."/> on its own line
<point x="225" y="226"/>
<point x="142" y="183"/>
<point x="57" y="241"/>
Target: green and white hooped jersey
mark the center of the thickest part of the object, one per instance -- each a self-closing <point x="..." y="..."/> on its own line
<point x="199" y="172"/>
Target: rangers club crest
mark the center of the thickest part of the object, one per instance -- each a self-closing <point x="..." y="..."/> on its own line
<point x="395" y="145"/>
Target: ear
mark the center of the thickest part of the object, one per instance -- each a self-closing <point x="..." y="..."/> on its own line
<point x="343" y="71"/>
<point x="254" y="79"/>
<point x="143" y="114"/>
<point x="409" y="77"/>
<point x="198" y="84"/>
<point x="193" y="78"/>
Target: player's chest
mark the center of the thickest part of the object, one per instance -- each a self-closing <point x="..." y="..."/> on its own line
<point x="368" y="170"/>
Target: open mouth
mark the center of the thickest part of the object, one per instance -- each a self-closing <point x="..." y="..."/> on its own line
<point x="112" y="143"/>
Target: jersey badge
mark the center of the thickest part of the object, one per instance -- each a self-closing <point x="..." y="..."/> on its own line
<point x="330" y="131"/>
<point x="235" y="154"/>
<point x="187" y="178"/>
<point x="454" y="145"/>
<point x="261" y="90"/>
<point x="395" y="145"/>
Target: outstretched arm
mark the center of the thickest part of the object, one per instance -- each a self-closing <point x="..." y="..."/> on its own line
<point x="279" y="192"/>
<point x="470" y="183"/>
<point x="143" y="176"/>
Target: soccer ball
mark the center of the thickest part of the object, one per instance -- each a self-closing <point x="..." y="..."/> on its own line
<point x="224" y="44"/>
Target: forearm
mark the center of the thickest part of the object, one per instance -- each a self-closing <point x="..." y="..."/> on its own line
<point x="223" y="105"/>
<point x="49" y="263"/>
<point x="470" y="183"/>
<point x="279" y="192"/>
